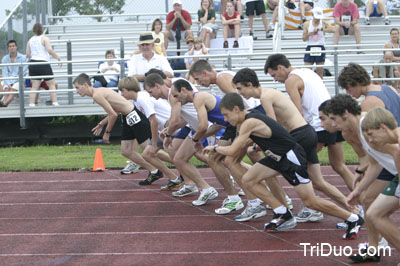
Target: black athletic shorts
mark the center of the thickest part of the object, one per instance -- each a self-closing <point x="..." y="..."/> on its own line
<point x="257" y="7"/>
<point x="312" y="58"/>
<point x="292" y="166"/>
<point x="308" y="139"/>
<point x="385" y="175"/>
<point x="135" y="125"/>
<point x="40" y="70"/>
<point x="229" y="134"/>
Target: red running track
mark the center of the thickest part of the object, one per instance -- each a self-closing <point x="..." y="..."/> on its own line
<point x="70" y="218"/>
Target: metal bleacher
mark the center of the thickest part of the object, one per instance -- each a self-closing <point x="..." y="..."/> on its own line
<point x="89" y="41"/>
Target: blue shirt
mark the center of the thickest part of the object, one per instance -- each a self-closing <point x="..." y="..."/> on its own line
<point x="12" y="71"/>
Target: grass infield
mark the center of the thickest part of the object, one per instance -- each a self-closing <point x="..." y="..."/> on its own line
<point x="74" y="157"/>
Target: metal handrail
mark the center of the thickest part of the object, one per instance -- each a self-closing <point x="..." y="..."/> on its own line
<point x="11" y="14"/>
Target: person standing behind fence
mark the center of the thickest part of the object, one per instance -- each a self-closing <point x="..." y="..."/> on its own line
<point x="11" y="85"/>
<point x="39" y="49"/>
<point x="314" y="34"/>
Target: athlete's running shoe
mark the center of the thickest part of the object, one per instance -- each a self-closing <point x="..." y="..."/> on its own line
<point x="173" y="184"/>
<point x="308" y="215"/>
<point x="281" y="222"/>
<point x="229" y="206"/>
<point x="130" y="168"/>
<point x="353" y="228"/>
<point x="186" y="190"/>
<point x="205" y="195"/>
<point x="251" y="213"/>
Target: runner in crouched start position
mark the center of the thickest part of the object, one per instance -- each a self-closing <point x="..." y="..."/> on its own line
<point x="284" y="156"/>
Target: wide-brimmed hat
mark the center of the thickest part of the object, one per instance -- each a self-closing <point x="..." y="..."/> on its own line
<point x="145" y="37"/>
<point x="318" y="13"/>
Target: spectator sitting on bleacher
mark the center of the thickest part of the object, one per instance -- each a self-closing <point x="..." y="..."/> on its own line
<point x="158" y="36"/>
<point x="394" y="44"/>
<point x="206" y="18"/>
<point x="314" y="34"/>
<point x="39" y="49"/>
<point x="140" y="63"/>
<point x="231" y="24"/>
<point x="346" y="19"/>
<point x="175" y="17"/>
<point x="258" y="7"/>
<point x="386" y="71"/>
<point x="11" y="85"/>
<point x="376" y="8"/>
<point x="236" y="3"/>
<point x="190" y="44"/>
<point x="198" y="49"/>
<point x="110" y="67"/>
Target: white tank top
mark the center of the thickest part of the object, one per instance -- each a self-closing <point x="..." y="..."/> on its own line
<point x="38" y="51"/>
<point x="384" y="159"/>
<point x="318" y="38"/>
<point x="314" y="94"/>
<point x="188" y="111"/>
<point x="249" y="103"/>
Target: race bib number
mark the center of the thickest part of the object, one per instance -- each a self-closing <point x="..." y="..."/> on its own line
<point x="132" y="118"/>
<point x="273" y="156"/>
<point x="346" y="18"/>
<point x="315" y="51"/>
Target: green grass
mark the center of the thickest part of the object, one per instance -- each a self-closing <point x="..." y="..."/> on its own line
<point x="50" y="158"/>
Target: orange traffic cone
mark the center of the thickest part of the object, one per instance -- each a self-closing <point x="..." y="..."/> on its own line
<point x="98" y="162"/>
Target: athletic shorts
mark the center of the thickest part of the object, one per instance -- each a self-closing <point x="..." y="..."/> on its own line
<point x="257" y="7"/>
<point x="40" y="70"/>
<point x="259" y="108"/>
<point x="329" y="138"/>
<point x="308" y="139"/>
<point x="314" y="59"/>
<point x="346" y="30"/>
<point x="310" y="3"/>
<point x="393" y="188"/>
<point x="182" y="133"/>
<point x="374" y="12"/>
<point x="385" y="175"/>
<point x="160" y="144"/>
<point x="135" y="125"/>
<point x="292" y="166"/>
<point x="229" y="134"/>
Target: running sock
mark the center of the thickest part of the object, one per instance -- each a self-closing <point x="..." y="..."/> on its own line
<point x="233" y="198"/>
<point x="280" y="210"/>
<point x="176" y="179"/>
<point x="353" y="218"/>
<point x="253" y="203"/>
<point x="154" y="171"/>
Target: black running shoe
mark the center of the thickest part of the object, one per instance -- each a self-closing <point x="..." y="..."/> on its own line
<point x="151" y="178"/>
<point x="365" y="257"/>
<point x="173" y="184"/>
<point x="353" y="228"/>
<point x="281" y="222"/>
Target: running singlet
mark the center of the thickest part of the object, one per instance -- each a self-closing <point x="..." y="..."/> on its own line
<point x="280" y="142"/>
<point x="215" y="115"/>
<point x="390" y="98"/>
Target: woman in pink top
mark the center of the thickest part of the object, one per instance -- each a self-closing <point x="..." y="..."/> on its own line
<point x="231" y="24"/>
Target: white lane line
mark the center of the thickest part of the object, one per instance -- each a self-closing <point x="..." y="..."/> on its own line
<point x="106" y="217"/>
<point x="154" y="253"/>
<point x="91" y="180"/>
<point x="104" y="190"/>
<point x="130" y="233"/>
<point x="160" y="232"/>
<point x="87" y="203"/>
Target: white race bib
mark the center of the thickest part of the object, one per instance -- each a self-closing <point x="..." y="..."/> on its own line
<point x="132" y="118"/>
<point x="315" y="51"/>
<point x="346" y="18"/>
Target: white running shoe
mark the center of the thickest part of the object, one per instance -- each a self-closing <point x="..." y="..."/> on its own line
<point x="241" y="193"/>
<point x="205" y="196"/>
<point x="308" y="215"/>
<point x="130" y="168"/>
<point x="251" y="213"/>
<point x="229" y="206"/>
<point x="186" y="190"/>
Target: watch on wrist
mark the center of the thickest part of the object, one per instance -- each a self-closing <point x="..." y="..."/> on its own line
<point x="215" y="147"/>
<point x="195" y="140"/>
<point x="108" y="132"/>
<point x="359" y="171"/>
<point x="167" y="135"/>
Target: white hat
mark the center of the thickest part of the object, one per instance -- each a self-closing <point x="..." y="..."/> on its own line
<point x="179" y="2"/>
<point x="318" y="13"/>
